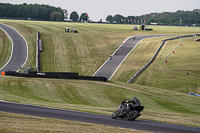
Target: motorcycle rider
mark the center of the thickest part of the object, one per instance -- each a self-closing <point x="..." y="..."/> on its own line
<point x="131" y="110"/>
<point x="135" y="102"/>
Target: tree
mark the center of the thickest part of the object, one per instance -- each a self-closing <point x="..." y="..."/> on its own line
<point x="65" y="14"/>
<point x="100" y="20"/>
<point x="198" y="21"/>
<point x="8" y="10"/>
<point x="36" y="11"/>
<point x="74" y="16"/>
<point x="56" y="16"/>
<point x="2" y="9"/>
<point x="25" y="11"/>
<point x="43" y="13"/>
<point x="131" y="19"/>
<point x="109" y="19"/>
<point x="84" y="17"/>
<point x="118" y="18"/>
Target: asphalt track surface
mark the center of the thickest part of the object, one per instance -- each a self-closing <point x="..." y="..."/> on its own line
<point x="111" y="65"/>
<point x="19" y="57"/>
<point x="19" y="50"/>
<point x="95" y="118"/>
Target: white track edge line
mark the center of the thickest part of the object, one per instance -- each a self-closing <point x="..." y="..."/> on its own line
<point x="13" y="45"/>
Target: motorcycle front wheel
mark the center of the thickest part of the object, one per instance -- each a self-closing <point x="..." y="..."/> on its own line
<point x="115" y="114"/>
<point x="133" y="115"/>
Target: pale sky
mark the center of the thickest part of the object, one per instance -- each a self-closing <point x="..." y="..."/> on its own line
<point x="100" y="9"/>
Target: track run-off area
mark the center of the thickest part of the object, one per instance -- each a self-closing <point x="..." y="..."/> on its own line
<point x="19" y="57"/>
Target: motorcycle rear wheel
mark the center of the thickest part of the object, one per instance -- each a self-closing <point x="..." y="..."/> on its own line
<point x="115" y="114"/>
<point x="133" y="115"/>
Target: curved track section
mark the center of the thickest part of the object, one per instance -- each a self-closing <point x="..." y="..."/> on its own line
<point x="95" y="118"/>
<point x="19" y="53"/>
<point x="111" y="65"/>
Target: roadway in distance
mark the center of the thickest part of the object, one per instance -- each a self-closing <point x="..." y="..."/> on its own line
<point x="111" y="65"/>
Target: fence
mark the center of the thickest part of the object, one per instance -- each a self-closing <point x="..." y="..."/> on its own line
<point x="55" y="75"/>
<point x="38" y="51"/>
<point x="149" y="63"/>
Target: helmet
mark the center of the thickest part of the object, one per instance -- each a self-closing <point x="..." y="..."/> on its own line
<point x="134" y="98"/>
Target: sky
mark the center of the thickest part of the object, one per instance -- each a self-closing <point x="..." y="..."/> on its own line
<point x="100" y="9"/>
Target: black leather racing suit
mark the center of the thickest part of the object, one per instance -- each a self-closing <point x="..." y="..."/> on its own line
<point x="135" y="102"/>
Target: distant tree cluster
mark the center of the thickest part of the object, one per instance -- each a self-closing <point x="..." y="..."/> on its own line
<point x="120" y="19"/>
<point x="166" y="18"/>
<point x="32" y="11"/>
<point x="75" y="17"/>
<point x="50" y="13"/>
<point x="178" y="17"/>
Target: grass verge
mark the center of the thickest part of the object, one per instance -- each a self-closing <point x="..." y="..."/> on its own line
<point x="5" y="48"/>
<point x="21" y="123"/>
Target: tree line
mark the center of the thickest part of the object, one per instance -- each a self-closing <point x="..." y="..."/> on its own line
<point x="166" y="18"/>
<point x="38" y="12"/>
<point x="32" y="11"/>
<point x="50" y="13"/>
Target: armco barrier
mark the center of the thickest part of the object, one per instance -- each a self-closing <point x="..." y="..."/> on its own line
<point x="40" y="45"/>
<point x="55" y="75"/>
<point x="149" y="63"/>
<point x="38" y="50"/>
<point x="145" y="66"/>
<point x="52" y="73"/>
<point x="37" y="53"/>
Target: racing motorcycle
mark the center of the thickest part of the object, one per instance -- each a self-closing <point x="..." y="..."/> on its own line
<point x="129" y="111"/>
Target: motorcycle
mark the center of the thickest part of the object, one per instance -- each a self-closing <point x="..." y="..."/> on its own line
<point x="126" y="110"/>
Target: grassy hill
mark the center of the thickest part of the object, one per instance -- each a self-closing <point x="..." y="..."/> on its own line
<point x="100" y="97"/>
<point x="84" y="52"/>
<point x="169" y="76"/>
<point x="162" y="88"/>
<point x="172" y="75"/>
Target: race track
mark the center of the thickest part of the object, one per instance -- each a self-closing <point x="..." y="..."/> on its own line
<point x="19" y="53"/>
<point x="95" y="118"/>
<point x="19" y="57"/>
<point x="111" y="65"/>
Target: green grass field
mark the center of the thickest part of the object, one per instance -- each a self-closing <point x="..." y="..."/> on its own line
<point x="162" y="88"/>
<point x="27" y="124"/>
<point x="169" y="76"/>
<point x="100" y="97"/>
<point x="5" y="48"/>
<point x="72" y="52"/>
